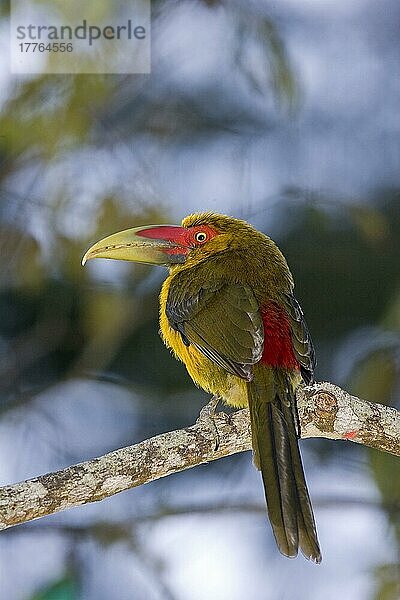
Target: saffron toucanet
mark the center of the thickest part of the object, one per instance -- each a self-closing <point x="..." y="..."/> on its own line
<point x="228" y="312"/>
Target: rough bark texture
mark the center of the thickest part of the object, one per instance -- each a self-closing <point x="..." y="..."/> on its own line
<point x="324" y="411"/>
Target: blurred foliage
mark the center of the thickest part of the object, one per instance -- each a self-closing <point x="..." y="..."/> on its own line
<point x="388" y="582"/>
<point x="345" y="274"/>
<point x="274" y="70"/>
<point x="63" y="589"/>
<point x="78" y="160"/>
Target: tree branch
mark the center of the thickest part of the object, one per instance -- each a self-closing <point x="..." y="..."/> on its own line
<point x="324" y="411"/>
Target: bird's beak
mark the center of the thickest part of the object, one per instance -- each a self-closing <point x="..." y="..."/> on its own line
<point x="153" y="244"/>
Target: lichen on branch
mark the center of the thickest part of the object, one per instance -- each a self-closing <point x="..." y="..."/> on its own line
<point x="325" y="410"/>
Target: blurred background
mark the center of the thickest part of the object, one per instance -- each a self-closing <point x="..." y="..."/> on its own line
<point x="285" y="114"/>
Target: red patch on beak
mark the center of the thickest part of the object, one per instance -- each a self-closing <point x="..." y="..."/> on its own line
<point x="183" y="238"/>
<point x="169" y="233"/>
<point x="175" y="236"/>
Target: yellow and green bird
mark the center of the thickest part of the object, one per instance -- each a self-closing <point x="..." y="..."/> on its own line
<point x="228" y="312"/>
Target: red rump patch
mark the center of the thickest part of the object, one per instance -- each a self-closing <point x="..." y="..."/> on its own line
<point x="278" y="346"/>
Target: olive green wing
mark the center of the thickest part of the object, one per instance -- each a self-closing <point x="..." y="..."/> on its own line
<point x="222" y="321"/>
<point x="302" y="343"/>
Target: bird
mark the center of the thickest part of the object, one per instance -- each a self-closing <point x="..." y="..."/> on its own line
<point x="229" y="313"/>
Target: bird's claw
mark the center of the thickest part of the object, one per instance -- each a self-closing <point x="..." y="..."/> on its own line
<point x="206" y="418"/>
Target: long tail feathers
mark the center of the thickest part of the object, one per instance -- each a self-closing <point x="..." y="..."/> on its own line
<point x="277" y="455"/>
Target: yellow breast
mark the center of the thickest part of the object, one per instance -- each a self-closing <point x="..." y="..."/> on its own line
<point x="205" y="374"/>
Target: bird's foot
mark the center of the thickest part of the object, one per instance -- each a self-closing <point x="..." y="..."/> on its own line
<point x="207" y="419"/>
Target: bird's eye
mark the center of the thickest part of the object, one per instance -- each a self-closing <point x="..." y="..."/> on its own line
<point x="200" y="236"/>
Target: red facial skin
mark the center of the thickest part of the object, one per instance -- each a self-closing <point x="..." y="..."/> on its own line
<point x="183" y="238"/>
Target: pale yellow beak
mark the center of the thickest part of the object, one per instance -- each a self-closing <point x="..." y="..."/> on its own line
<point x="152" y="244"/>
